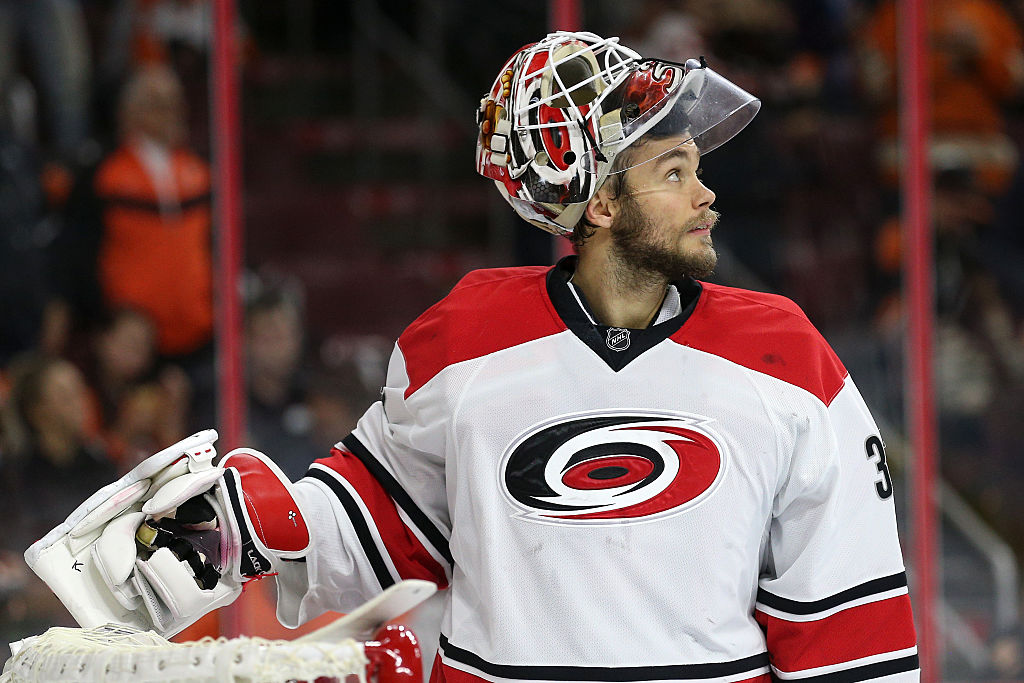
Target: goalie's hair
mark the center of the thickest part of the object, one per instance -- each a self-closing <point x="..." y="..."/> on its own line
<point x="615" y="184"/>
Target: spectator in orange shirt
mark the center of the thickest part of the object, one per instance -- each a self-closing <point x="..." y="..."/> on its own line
<point x="155" y="196"/>
<point x="144" y="218"/>
<point x="976" y="67"/>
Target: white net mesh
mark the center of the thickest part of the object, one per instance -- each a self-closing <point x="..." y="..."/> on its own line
<point x="116" y="653"/>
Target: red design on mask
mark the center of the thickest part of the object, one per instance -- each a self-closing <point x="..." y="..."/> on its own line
<point x="645" y="90"/>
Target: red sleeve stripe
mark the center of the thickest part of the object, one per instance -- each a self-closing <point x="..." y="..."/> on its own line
<point x="381" y="569"/>
<point x="445" y="566"/>
<point x="816" y="616"/>
<point x="883" y="627"/>
<point x="419" y="519"/>
<point x="400" y="550"/>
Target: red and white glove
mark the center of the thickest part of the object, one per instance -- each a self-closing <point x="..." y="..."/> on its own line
<point x="173" y="539"/>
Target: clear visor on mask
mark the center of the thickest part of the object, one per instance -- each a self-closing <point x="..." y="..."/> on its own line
<point x="672" y="105"/>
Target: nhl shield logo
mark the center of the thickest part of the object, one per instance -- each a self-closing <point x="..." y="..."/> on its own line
<point x="617" y="339"/>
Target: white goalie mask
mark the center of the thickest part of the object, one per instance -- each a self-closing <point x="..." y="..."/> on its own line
<point x="562" y="109"/>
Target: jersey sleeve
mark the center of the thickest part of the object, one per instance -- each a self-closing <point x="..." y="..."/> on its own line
<point x="378" y="507"/>
<point x="833" y="598"/>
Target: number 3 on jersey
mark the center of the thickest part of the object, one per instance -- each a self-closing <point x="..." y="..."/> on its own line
<point x="876" y="452"/>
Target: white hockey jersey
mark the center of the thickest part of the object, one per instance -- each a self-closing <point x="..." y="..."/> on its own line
<point x="705" y="499"/>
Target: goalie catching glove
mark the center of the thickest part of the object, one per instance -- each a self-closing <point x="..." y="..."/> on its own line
<point x="173" y="539"/>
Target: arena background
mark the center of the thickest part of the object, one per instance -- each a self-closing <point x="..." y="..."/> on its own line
<point x="341" y="137"/>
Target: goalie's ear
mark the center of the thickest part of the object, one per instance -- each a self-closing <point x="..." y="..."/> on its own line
<point x="601" y="209"/>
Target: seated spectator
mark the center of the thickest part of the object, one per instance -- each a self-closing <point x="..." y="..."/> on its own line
<point x="336" y="400"/>
<point x="279" y="418"/>
<point x="54" y="456"/>
<point x="143" y="409"/>
<point x="124" y="351"/>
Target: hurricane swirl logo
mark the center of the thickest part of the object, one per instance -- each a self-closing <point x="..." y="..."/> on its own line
<point x="612" y="468"/>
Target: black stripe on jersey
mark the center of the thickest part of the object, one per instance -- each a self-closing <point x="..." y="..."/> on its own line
<point x="604" y="673"/>
<point x="886" y="583"/>
<point x="399" y="495"/>
<point x="868" y="672"/>
<point x="355" y="515"/>
<point x="153" y="206"/>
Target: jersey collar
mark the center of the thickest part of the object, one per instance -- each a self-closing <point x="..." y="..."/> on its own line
<point x="618" y="346"/>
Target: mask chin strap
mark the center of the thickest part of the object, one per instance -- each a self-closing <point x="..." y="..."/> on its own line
<point x="599" y="155"/>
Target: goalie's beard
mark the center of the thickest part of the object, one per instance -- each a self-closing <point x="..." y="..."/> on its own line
<point x="649" y="251"/>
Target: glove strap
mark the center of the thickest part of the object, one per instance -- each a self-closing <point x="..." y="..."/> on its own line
<point x="153" y="536"/>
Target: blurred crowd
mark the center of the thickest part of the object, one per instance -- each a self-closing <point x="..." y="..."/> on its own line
<point x="107" y="327"/>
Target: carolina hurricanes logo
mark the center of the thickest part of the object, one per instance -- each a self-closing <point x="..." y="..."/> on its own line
<point x="621" y="467"/>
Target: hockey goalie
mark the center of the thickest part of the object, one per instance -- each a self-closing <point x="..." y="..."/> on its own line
<point x="620" y="470"/>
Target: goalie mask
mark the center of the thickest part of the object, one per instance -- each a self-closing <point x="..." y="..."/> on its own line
<point x="562" y="109"/>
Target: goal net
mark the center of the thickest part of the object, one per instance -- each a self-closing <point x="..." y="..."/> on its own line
<point x="116" y="653"/>
<point x="360" y="647"/>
